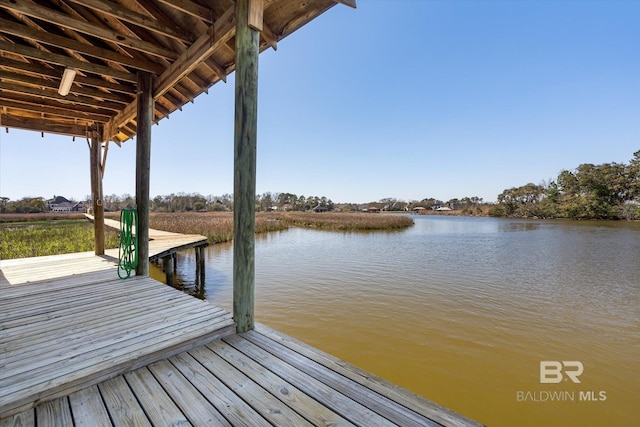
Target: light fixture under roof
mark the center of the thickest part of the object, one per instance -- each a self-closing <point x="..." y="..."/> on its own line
<point x="66" y="82"/>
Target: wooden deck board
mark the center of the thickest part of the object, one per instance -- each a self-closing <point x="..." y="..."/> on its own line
<point x="337" y="402"/>
<point x="68" y="322"/>
<point x="243" y="380"/>
<point x="157" y="404"/>
<point x="88" y="408"/>
<point x="289" y="395"/>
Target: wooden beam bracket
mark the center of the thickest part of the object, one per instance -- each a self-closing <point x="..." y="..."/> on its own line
<point x="256" y="11"/>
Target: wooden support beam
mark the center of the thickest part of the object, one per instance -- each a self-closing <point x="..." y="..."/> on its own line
<point x="86" y="49"/>
<point x="41" y="107"/>
<point x="55" y="83"/>
<point x="256" y="10"/>
<point x="53" y="94"/>
<point x="65" y="61"/>
<point x="167" y="266"/>
<point x="103" y="163"/>
<point x="39" y="126"/>
<point x="200" y="274"/>
<point x="48" y="15"/>
<point x="245" y="141"/>
<point x="223" y="31"/>
<point x="190" y="8"/>
<point x="127" y="15"/>
<point x="143" y="168"/>
<point x="269" y="36"/>
<point x="96" y="192"/>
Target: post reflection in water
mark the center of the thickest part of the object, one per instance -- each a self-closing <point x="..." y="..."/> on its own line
<point x="462" y="310"/>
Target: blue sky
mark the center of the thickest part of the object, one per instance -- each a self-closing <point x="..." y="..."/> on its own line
<point x="397" y="98"/>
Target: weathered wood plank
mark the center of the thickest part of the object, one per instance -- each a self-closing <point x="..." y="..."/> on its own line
<point x="366" y="397"/>
<point x="342" y="404"/>
<point x="398" y="394"/>
<point x="196" y="408"/>
<point x="88" y="408"/>
<point x="23" y="419"/>
<point x="305" y="405"/>
<point x="232" y="407"/>
<point x="61" y="336"/>
<point x="25" y="351"/>
<point x="103" y="353"/>
<point x="267" y="405"/>
<point x="55" y="413"/>
<point x="121" y="403"/>
<point x="158" y="406"/>
<point x="123" y="359"/>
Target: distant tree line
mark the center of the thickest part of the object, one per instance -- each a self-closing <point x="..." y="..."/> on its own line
<point x="606" y="191"/>
<point x="24" y="205"/>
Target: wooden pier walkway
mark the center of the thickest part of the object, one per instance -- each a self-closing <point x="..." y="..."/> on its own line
<point x="79" y="347"/>
<point x="163" y="243"/>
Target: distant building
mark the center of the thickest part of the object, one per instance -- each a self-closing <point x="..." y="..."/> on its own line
<point x="62" y="204"/>
<point x="62" y="207"/>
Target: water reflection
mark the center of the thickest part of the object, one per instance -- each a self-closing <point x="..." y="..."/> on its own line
<point x="194" y="285"/>
<point x="519" y="226"/>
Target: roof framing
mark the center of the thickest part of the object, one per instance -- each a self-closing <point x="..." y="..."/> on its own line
<point x="187" y="46"/>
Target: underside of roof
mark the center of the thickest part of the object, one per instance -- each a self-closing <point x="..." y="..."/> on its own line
<point x="187" y="45"/>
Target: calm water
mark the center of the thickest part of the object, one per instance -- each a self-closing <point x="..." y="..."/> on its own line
<point x="462" y="310"/>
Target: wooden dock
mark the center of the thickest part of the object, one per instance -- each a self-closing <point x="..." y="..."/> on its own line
<point x="163" y="243"/>
<point x="164" y="246"/>
<point x="81" y="347"/>
<point x="68" y="321"/>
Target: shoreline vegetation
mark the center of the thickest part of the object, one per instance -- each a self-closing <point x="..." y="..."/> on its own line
<point x="30" y="235"/>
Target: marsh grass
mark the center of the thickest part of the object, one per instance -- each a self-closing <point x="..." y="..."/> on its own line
<point x="39" y="235"/>
<point x="344" y="221"/>
<point x="216" y="226"/>
<point x="23" y="238"/>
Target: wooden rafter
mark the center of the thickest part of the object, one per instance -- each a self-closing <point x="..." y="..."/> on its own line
<point x="185" y="45"/>
<point x="36" y="11"/>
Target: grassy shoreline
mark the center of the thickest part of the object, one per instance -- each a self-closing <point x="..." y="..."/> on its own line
<point x="29" y="235"/>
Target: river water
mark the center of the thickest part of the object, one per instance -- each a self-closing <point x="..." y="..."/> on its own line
<point x="463" y="310"/>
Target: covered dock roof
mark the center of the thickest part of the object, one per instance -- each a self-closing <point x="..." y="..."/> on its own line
<point x="186" y="45"/>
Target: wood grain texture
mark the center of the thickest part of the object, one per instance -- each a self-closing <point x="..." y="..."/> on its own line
<point x="67" y="322"/>
<point x="88" y="408"/>
<point x="143" y="169"/>
<point x="245" y="141"/>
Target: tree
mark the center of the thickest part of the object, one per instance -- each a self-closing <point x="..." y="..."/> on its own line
<point x="3" y="204"/>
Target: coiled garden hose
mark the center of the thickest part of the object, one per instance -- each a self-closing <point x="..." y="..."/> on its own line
<point x="128" y="250"/>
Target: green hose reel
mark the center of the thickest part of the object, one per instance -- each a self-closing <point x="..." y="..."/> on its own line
<point x="128" y="250"/>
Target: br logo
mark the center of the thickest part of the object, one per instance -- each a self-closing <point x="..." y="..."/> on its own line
<point x="553" y="372"/>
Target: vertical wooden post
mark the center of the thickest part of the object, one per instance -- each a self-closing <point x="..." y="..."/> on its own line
<point x="244" y="186"/>
<point x="175" y="263"/>
<point x="167" y="264"/>
<point x="143" y="169"/>
<point x="200" y="267"/>
<point x="197" y="251"/>
<point x="96" y="192"/>
<point x="201" y="249"/>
